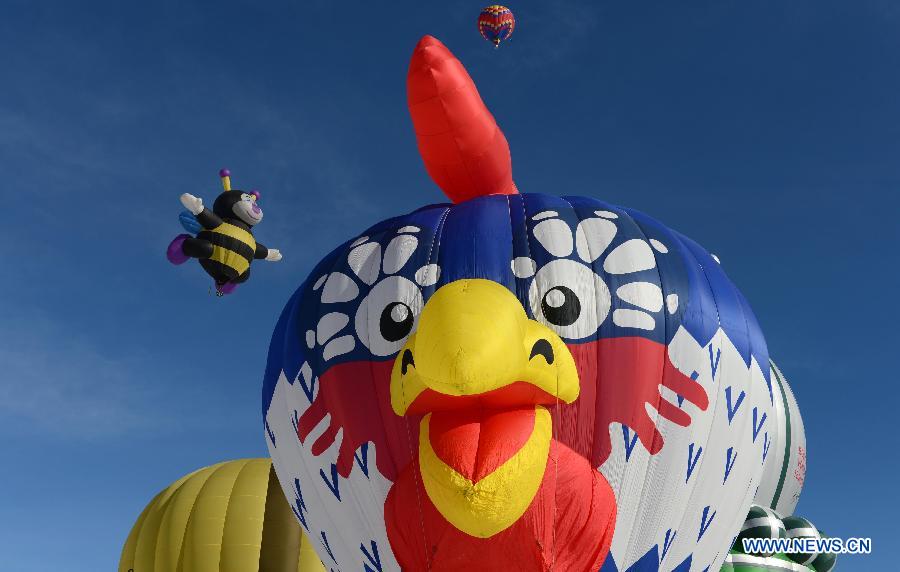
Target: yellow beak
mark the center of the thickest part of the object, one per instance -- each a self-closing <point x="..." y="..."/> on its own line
<point x="474" y="338"/>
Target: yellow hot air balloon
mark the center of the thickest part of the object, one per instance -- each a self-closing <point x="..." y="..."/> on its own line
<point x="227" y="517"/>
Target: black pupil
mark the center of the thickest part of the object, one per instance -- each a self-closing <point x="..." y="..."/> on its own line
<point x="561" y="306"/>
<point x="396" y="321"/>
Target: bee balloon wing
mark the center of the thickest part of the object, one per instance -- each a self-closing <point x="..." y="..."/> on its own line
<point x="189" y="222"/>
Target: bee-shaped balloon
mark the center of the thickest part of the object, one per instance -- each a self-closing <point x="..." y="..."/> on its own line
<point x="224" y="243"/>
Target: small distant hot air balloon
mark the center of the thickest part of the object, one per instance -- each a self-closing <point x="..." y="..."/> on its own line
<point x="496" y="24"/>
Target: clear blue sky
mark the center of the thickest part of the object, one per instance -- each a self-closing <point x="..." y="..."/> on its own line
<point x="769" y="131"/>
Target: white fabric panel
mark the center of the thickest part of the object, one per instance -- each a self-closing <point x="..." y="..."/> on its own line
<point x="357" y="519"/>
<point x="784" y="449"/>
<point x="655" y="495"/>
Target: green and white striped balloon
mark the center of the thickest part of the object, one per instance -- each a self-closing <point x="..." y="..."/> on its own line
<point x="762" y="522"/>
<point x="736" y="562"/>
<point x="799" y="527"/>
<point x="824" y="562"/>
<point x="785" y="466"/>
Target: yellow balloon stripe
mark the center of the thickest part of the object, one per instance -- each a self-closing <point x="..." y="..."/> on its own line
<point x="143" y="553"/>
<point x="242" y="535"/>
<point x="218" y="519"/>
<point x="170" y="536"/>
<point x="203" y="537"/>
<point x="236" y="233"/>
<point x="130" y="548"/>
<point x="308" y="560"/>
<point x="282" y="536"/>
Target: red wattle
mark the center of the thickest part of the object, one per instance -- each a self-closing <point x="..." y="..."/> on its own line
<point x="475" y="443"/>
<point x="569" y="525"/>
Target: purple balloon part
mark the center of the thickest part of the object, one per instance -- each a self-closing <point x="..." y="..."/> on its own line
<point x="226" y="288"/>
<point x="255" y="193"/>
<point x="224" y="173"/>
<point x="175" y="253"/>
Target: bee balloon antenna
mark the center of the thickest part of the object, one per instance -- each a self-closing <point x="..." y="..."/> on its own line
<point x="225" y="174"/>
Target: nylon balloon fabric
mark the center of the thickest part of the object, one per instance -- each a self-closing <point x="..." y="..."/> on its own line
<point x="463" y="148"/>
<point x="227" y="517"/>
<point x="515" y="380"/>
<point x="496" y="24"/>
<point x="785" y="471"/>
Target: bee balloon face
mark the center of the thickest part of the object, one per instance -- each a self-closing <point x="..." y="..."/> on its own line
<point x="240" y="205"/>
<point x="247" y="210"/>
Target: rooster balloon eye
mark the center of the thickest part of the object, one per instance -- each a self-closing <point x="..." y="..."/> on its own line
<point x="570" y="298"/>
<point x="396" y="321"/>
<point x="388" y="314"/>
<point x="561" y="306"/>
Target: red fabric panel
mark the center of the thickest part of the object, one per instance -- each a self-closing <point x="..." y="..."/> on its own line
<point x="618" y="377"/>
<point x="464" y="150"/>
<point x="476" y="442"/>
<point x="569" y="526"/>
<point x="367" y="416"/>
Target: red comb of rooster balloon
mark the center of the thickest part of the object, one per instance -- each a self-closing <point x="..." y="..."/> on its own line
<point x="464" y="150"/>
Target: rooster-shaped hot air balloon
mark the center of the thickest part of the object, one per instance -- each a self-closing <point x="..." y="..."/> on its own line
<point x="443" y="388"/>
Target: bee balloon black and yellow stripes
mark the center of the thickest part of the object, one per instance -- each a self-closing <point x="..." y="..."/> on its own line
<point x="224" y="244"/>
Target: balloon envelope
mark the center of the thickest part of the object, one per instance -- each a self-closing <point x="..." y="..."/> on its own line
<point x="223" y="517"/>
<point x="785" y="470"/>
<point x="496" y="24"/>
<point x="764" y="523"/>
<point x="671" y="403"/>
<point x="737" y="562"/>
<point x="444" y="386"/>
